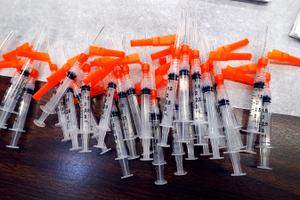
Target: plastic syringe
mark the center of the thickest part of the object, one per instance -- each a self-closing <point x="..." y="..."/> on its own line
<point x="71" y="116"/>
<point x="122" y="155"/>
<point x="256" y="105"/>
<point x="184" y="96"/>
<point x="158" y="151"/>
<point x="18" y="126"/>
<point x="132" y="100"/>
<point x="129" y="134"/>
<point x="213" y="125"/>
<point x="178" y="151"/>
<point x="199" y="116"/>
<point x="171" y="91"/>
<point x="265" y="128"/>
<point x="233" y="137"/>
<point x="85" y="112"/>
<point x="146" y="133"/>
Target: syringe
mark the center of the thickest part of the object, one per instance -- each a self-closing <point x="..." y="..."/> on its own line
<point x="184" y="96"/>
<point x="170" y="98"/>
<point x="129" y="134"/>
<point x="122" y="154"/>
<point x="146" y="132"/>
<point x="132" y="100"/>
<point x="265" y="128"/>
<point x="85" y="112"/>
<point x="199" y="116"/>
<point x="103" y="125"/>
<point x="158" y="151"/>
<point x="233" y="137"/>
<point x="178" y="151"/>
<point x="256" y="105"/>
<point x="213" y="125"/>
<point x="18" y="126"/>
<point x="71" y="116"/>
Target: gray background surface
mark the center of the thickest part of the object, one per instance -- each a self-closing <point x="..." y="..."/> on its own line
<point x="73" y="24"/>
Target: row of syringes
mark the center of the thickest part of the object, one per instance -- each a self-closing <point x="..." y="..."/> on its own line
<point x="191" y="106"/>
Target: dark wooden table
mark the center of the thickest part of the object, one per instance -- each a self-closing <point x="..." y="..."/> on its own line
<point x="44" y="168"/>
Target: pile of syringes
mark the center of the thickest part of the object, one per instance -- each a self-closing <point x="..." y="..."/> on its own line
<point x="179" y="101"/>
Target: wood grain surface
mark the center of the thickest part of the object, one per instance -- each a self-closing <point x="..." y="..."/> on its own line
<point x="44" y="168"/>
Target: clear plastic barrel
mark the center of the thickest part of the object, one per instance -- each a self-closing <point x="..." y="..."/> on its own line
<point x="135" y="112"/>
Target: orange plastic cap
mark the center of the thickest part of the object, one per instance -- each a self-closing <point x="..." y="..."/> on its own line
<point x="162" y="53"/>
<point x="100" y="51"/>
<point x="131" y="59"/>
<point x="43" y="90"/>
<point x="238" y="77"/>
<point x="224" y="56"/>
<point x="154" y="41"/>
<point x="234" y="46"/>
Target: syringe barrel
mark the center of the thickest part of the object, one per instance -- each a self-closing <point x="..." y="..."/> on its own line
<point x="198" y="101"/>
<point x="158" y="155"/>
<point x="72" y="123"/>
<point x="126" y="117"/>
<point x="264" y="161"/>
<point x="105" y="116"/>
<point x="213" y="125"/>
<point x="168" y="110"/>
<point x="54" y="100"/>
<point x="184" y="96"/>
<point x="255" y="111"/>
<point x="62" y="119"/>
<point x="15" y="137"/>
<point x="179" y="166"/>
<point x="85" y="110"/>
<point x="160" y="175"/>
<point x="125" y="168"/>
<point x="145" y="114"/>
<point x="131" y="145"/>
<point x="265" y="122"/>
<point x="117" y="131"/>
<point x="61" y="90"/>
<point x="236" y="164"/>
<point x="234" y="141"/>
<point x="14" y="93"/>
<point x="23" y="109"/>
<point x="191" y="150"/>
<point x="135" y="110"/>
<point x="201" y="131"/>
